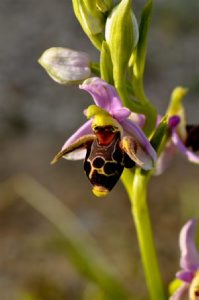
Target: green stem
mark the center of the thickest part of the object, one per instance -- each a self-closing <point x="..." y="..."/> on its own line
<point x="137" y="195"/>
<point x="95" y="68"/>
<point x="147" y="107"/>
<point x="126" y="100"/>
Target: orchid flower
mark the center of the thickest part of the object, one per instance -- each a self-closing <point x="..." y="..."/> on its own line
<point x="189" y="262"/>
<point x="109" y="140"/>
<point x="184" y="138"/>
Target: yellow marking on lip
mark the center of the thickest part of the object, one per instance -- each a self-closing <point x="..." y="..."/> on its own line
<point x="100" y="191"/>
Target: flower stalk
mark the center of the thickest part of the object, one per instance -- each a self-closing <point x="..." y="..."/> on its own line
<point x="137" y="191"/>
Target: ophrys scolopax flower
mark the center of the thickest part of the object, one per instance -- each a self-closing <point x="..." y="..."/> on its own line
<point x="108" y="141"/>
<point x="184" y="138"/>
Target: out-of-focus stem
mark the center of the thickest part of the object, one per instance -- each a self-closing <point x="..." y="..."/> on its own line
<point x="137" y="190"/>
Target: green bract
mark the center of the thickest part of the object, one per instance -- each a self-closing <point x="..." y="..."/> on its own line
<point x="121" y="34"/>
<point x="106" y="66"/>
<point x="91" y="20"/>
<point x="160" y="135"/>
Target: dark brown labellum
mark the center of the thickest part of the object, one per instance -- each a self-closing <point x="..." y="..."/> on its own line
<point x="104" y="163"/>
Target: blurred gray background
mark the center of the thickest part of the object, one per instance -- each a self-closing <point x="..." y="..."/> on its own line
<point x="37" y="115"/>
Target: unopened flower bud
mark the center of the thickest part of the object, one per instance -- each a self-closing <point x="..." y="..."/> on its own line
<point x="121" y="34"/>
<point x="138" y="57"/>
<point x="91" y="20"/>
<point x="66" y="66"/>
<point x="90" y="4"/>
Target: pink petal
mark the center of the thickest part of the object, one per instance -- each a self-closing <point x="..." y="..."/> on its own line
<point x="121" y="113"/>
<point x="138" y="119"/>
<point x="83" y="130"/>
<point x="104" y="94"/>
<point x="189" y="255"/>
<point x="190" y="155"/>
<point x="186" y="276"/>
<point x="165" y="158"/>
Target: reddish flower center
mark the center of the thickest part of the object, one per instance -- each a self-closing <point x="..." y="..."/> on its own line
<point x="105" y="135"/>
